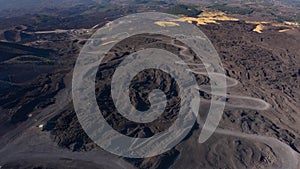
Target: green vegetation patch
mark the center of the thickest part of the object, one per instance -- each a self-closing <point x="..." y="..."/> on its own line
<point x="292" y="18"/>
<point x="232" y="10"/>
<point x="183" y="10"/>
<point x="44" y="18"/>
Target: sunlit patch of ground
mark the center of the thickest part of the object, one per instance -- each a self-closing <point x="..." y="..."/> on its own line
<point x="284" y="30"/>
<point x="257" y="22"/>
<point x="259" y="28"/>
<point x="278" y="24"/>
<point x="208" y="17"/>
<point x="291" y="24"/>
<point x="249" y="3"/>
<point x="285" y="26"/>
<point x="166" y="24"/>
<point x="259" y="25"/>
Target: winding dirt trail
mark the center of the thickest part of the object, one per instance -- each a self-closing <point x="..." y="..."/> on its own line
<point x="27" y="142"/>
<point x="288" y="158"/>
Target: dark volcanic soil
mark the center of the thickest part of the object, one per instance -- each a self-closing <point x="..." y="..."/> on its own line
<point x="266" y="65"/>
